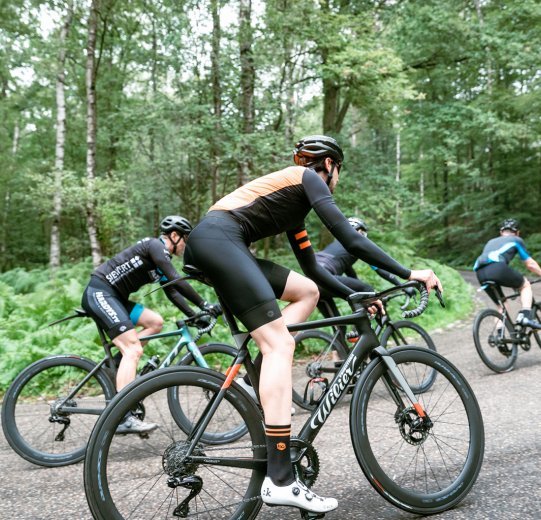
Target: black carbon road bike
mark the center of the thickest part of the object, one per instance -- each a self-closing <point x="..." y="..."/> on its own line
<point x="51" y="407"/>
<point x="421" y="452"/>
<point x="497" y="336"/>
<point x="320" y="354"/>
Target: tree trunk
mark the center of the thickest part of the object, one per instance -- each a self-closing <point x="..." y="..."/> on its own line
<point x="216" y="97"/>
<point x="91" y="132"/>
<point x="397" y="178"/>
<point x="54" y="255"/>
<point x="247" y="85"/>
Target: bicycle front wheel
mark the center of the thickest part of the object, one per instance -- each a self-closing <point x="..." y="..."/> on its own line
<point x="406" y="333"/>
<point x="44" y="419"/>
<point x="130" y="477"/>
<point x="494" y="340"/>
<point x="537" y="316"/>
<point x="421" y="465"/>
<point x="315" y="356"/>
<point x="219" y="357"/>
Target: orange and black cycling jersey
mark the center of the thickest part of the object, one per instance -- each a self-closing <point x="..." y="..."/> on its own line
<point x="280" y="201"/>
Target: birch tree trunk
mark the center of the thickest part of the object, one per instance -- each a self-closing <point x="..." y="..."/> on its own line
<point x="55" y="249"/>
<point x="247" y="84"/>
<point x="91" y="131"/>
<point x="216" y="96"/>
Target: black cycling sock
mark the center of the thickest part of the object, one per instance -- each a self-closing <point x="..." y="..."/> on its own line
<point x="279" y="467"/>
<point x="526" y="313"/>
<point x="258" y="361"/>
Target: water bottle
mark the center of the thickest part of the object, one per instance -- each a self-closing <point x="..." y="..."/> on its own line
<point x="152" y="364"/>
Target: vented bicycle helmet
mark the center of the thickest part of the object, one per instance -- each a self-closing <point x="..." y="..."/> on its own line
<point x="358" y="224"/>
<point x="511" y="224"/>
<point x="315" y="147"/>
<point x="175" y="223"/>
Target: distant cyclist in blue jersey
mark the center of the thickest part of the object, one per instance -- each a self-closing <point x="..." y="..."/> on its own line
<point x="492" y="266"/>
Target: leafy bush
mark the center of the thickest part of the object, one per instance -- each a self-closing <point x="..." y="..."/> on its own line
<point x="29" y="300"/>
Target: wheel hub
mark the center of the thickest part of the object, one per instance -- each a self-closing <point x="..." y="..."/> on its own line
<point x="313" y="369"/>
<point x="413" y="428"/>
<point x="57" y="413"/>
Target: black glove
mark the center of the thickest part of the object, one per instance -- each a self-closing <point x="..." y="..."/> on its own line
<point x="410" y="291"/>
<point x="202" y="322"/>
<point x="213" y="308"/>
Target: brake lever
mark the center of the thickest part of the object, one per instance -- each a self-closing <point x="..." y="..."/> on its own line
<point x="440" y="297"/>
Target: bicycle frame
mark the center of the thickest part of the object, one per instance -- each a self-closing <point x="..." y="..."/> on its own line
<point x="186" y="339"/>
<point x="367" y="345"/>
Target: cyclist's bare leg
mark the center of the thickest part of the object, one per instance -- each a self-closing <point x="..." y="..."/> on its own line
<point x="302" y="295"/>
<point x="129" y="345"/>
<point x="276" y="345"/>
<point x="526" y="295"/>
<point x="151" y="322"/>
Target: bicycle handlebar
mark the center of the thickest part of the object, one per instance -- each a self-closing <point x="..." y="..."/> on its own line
<point x="366" y="298"/>
<point x="195" y="317"/>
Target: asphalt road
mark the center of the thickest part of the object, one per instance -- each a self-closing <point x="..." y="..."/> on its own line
<point x="508" y="487"/>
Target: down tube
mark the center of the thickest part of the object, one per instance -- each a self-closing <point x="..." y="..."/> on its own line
<point x="367" y="342"/>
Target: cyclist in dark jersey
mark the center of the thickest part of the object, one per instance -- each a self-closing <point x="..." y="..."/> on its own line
<point x="336" y="259"/>
<point x="106" y="298"/>
<point x="219" y="246"/>
<point x="492" y="265"/>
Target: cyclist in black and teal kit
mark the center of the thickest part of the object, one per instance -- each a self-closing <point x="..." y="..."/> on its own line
<point x="492" y="265"/>
<point x="220" y="247"/>
<point x="106" y="298"/>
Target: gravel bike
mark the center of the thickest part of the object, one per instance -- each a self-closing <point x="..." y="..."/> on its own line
<point x="322" y="353"/>
<point x="51" y="407"/>
<point x="497" y="336"/>
<point x="421" y="452"/>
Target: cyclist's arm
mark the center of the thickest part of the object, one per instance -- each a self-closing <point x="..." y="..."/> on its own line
<point x="304" y="252"/>
<point x="181" y="289"/>
<point x="532" y="266"/>
<point x="356" y="244"/>
<point x="349" y="271"/>
<point x="386" y="275"/>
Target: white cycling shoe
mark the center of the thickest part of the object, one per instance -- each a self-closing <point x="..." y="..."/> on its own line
<point x="250" y="389"/>
<point x="295" y="495"/>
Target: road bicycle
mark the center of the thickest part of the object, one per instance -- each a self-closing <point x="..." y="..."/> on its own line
<point x="51" y="407"/>
<point x="317" y="361"/>
<point x="421" y="452"/>
<point x="497" y="336"/>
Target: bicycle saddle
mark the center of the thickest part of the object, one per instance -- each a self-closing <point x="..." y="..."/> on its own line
<point x="196" y="274"/>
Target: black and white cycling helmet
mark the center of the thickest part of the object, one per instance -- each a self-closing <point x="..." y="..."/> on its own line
<point x="511" y="224"/>
<point x="175" y="223"/>
<point x="313" y="148"/>
<point x="358" y="224"/>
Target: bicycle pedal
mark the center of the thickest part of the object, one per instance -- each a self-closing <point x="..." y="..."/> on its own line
<point x="310" y="515"/>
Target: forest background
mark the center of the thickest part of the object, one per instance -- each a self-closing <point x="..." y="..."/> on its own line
<point x="116" y="113"/>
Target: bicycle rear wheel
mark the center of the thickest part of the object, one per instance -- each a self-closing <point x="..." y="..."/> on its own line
<point x="128" y="477"/>
<point x="314" y="359"/>
<point x="423" y="466"/>
<point x="406" y="333"/>
<point x="493" y="340"/>
<point x="218" y="357"/>
<point x="37" y="427"/>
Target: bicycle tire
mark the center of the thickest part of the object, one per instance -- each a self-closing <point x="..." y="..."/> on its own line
<point x="402" y="333"/>
<point x="537" y="316"/>
<point x="395" y="454"/>
<point x="27" y="408"/>
<point x="488" y="336"/>
<point x="125" y="477"/>
<point x="317" y="344"/>
<point x="219" y="357"/>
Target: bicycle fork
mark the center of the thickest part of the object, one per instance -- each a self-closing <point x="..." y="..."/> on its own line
<point x="413" y="421"/>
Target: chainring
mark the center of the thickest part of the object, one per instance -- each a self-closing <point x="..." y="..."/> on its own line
<point x="305" y="461"/>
